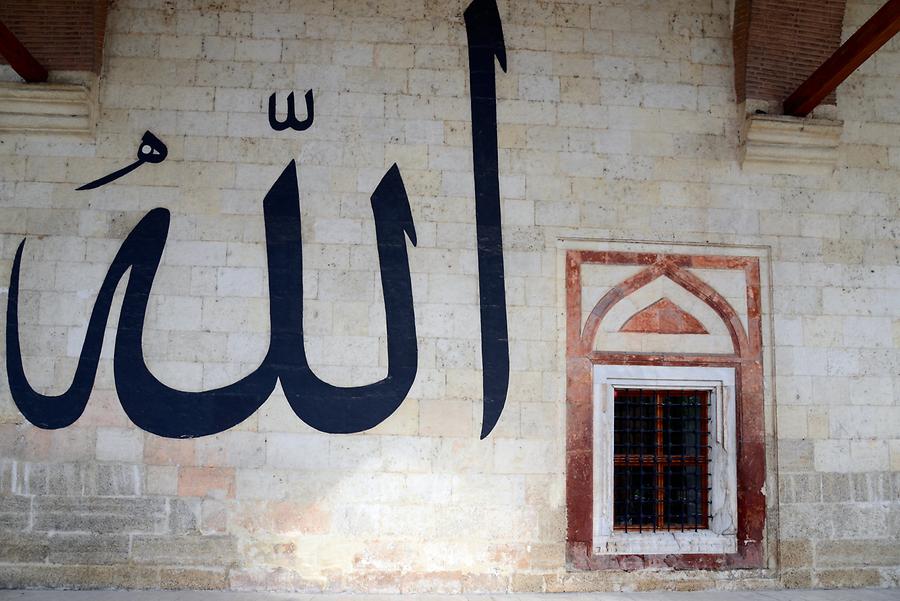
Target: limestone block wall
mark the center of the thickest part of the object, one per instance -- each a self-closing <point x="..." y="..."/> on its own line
<point x="617" y="121"/>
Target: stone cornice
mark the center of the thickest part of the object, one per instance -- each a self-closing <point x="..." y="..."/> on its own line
<point x="781" y="144"/>
<point x="58" y="108"/>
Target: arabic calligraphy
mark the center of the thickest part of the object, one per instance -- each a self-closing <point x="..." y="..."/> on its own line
<point x="172" y="413"/>
<point x="165" y="411"/>
<point x="290" y="119"/>
<point x="485" y="36"/>
<point x="151" y="150"/>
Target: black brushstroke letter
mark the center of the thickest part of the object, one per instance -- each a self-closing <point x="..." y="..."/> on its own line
<point x="325" y="407"/>
<point x="151" y="150"/>
<point x="150" y="404"/>
<point x="485" y="36"/>
<point x="290" y="119"/>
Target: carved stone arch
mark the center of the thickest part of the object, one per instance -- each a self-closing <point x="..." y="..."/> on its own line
<point x="690" y="282"/>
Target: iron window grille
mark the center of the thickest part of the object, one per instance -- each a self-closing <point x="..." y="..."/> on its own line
<point x="661" y="473"/>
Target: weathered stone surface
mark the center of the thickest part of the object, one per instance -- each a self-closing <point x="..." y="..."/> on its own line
<point x="187" y="578"/>
<point x="795" y="553"/>
<point x="87" y="549"/>
<point x="23" y="548"/>
<point x="796" y="578"/>
<point x="78" y="577"/>
<point x="14" y="513"/>
<point x="847" y="578"/>
<point x="617" y="124"/>
<point x="845" y="553"/>
<point x="184" y="516"/>
<point x="836" y="488"/>
<point x="69" y="479"/>
<point x="100" y="514"/>
<point x="183" y="550"/>
<point x="117" y="480"/>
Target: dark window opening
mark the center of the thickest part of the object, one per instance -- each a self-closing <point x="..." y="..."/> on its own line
<point x="661" y="471"/>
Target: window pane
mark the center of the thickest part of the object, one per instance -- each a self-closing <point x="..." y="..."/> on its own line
<point x="635" y="497"/>
<point x="685" y="493"/>
<point x="635" y="422"/>
<point x="661" y="459"/>
<point x="684" y="415"/>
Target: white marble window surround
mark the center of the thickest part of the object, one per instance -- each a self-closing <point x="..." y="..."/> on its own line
<point x="721" y="535"/>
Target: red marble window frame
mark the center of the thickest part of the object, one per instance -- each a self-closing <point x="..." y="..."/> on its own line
<point x="746" y="360"/>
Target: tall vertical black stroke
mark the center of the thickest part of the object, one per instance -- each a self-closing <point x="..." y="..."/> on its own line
<point x="485" y="37"/>
<point x="325" y="407"/>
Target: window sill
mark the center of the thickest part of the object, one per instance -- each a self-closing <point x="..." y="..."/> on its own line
<point x="666" y="543"/>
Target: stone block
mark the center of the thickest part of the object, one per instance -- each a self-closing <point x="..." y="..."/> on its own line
<point x="296" y="451"/>
<point x="796" y="578"/>
<point x="120" y="444"/>
<point x="795" y="553"/>
<point x="168" y="451"/>
<point x="795" y="455"/>
<point x="805" y="521"/>
<point x="860" y="553"/>
<point x="214" y="550"/>
<point x="102" y="515"/>
<point x="836" y="488"/>
<point x="193" y="579"/>
<point x="526" y="456"/>
<point x="184" y="516"/>
<point x="70" y="479"/>
<point x="161" y="480"/>
<point x="117" y="480"/>
<point x="15" y="513"/>
<point x="442" y="583"/>
<point x="87" y="549"/>
<point x="847" y="578"/>
<point x="526" y="583"/>
<point x="206" y="481"/>
<point x="24" y="547"/>
<point x="232" y="449"/>
<point x="872" y="486"/>
<point x="79" y="577"/>
<point x="833" y="456"/>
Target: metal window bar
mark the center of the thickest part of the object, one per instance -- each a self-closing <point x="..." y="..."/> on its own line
<point x="662" y="464"/>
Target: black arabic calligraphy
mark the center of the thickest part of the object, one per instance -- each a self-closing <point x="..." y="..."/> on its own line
<point x="485" y="36"/>
<point x="290" y="119"/>
<point x="151" y="150"/>
<point x="169" y="412"/>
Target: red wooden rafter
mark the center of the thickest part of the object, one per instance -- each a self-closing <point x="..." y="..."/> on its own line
<point x="880" y="28"/>
<point x="19" y="58"/>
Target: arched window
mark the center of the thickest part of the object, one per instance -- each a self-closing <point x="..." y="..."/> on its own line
<point x="665" y="436"/>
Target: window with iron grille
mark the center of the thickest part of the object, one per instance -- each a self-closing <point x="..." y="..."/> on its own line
<point x="661" y="460"/>
<point x="665" y="461"/>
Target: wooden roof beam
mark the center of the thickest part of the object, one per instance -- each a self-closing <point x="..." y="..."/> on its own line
<point x="19" y="58"/>
<point x="880" y="28"/>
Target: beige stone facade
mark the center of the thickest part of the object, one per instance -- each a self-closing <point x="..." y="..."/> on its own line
<point x="618" y="131"/>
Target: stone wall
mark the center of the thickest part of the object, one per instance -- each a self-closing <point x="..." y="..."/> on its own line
<point x="617" y="121"/>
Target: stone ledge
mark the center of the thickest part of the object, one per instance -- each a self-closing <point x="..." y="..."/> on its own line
<point x="769" y="593"/>
<point x="46" y="108"/>
<point x="781" y="144"/>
